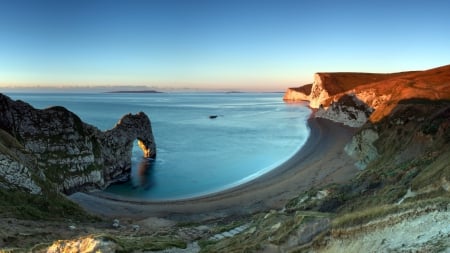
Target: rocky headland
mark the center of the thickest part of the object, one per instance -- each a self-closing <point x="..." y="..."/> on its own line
<point x="374" y="177"/>
<point x="54" y="149"/>
<point x="354" y="98"/>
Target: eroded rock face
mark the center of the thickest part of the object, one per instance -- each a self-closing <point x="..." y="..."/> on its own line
<point x="318" y="92"/>
<point x="348" y="110"/>
<point x="70" y="153"/>
<point x="16" y="176"/>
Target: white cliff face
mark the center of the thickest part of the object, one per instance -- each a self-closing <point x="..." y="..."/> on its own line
<point x="84" y="179"/>
<point x="73" y="155"/>
<point x="362" y="147"/>
<point x="348" y="110"/>
<point x="293" y="95"/>
<point x="16" y="176"/>
<point x="315" y="93"/>
<point x="318" y="93"/>
<point x="408" y="231"/>
<point x="348" y="116"/>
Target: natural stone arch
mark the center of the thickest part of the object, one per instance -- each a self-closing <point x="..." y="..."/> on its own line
<point x="121" y="139"/>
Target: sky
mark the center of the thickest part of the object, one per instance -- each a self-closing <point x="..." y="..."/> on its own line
<point x="216" y="44"/>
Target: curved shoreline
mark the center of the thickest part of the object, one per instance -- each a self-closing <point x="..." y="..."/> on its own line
<point x="320" y="161"/>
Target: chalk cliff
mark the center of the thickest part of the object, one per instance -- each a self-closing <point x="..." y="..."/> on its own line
<point x="54" y="145"/>
<point x="298" y="94"/>
<point x="355" y="98"/>
<point x="348" y="110"/>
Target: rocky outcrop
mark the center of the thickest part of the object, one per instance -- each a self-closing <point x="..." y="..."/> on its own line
<point x="15" y="175"/>
<point x="18" y="167"/>
<point x="120" y="139"/>
<point x="71" y="154"/>
<point x="348" y="110"/>
<point x="319" y="93"/>
<point x="414" y="230"/>
<point x="413" y="128"/>
<point x="84" y="244"/>
<point x="362" y="147"/>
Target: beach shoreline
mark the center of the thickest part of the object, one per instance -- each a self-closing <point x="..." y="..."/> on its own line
<point x="320" y="161"/>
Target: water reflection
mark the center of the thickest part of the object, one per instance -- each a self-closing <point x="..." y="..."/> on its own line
<point x="145" y="175"/>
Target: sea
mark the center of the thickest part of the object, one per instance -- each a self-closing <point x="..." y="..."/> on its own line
<point x="197" y="155"/>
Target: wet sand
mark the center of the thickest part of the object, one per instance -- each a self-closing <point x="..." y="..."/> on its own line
<point x="320" y="161"/>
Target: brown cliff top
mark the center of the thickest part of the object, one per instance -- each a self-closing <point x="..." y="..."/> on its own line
<point x="337" y="82"/>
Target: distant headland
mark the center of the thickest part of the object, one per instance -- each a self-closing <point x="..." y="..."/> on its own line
<point x="134" y="91"/>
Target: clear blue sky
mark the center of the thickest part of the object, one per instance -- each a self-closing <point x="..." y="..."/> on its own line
<point x="217" y="44"/>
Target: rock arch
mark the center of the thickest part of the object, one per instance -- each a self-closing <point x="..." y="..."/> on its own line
<point x="118" y="144"/>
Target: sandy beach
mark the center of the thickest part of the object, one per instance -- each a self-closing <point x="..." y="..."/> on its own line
<point x="320" y="161"/>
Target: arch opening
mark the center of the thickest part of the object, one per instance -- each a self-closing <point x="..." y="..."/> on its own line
<point x="141" y="165"/>
<point x="145" y="149"/>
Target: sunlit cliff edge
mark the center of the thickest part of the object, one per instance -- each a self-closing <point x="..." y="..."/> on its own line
<point x="369" y="95"/>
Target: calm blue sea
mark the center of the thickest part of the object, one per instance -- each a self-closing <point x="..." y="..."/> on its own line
<point x="196" y="155"/>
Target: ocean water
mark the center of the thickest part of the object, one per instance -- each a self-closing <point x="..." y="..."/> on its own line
<point x="196" y="155"/>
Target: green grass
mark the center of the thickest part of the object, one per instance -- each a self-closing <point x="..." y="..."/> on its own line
<point x="146" y="243"/>
<point x="8" y="143"/>
<point x="438" y="169"/>
<point x="50" y="206"/>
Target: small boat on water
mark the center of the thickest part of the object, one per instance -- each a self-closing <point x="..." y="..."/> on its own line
<point x="213" y="116"/>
